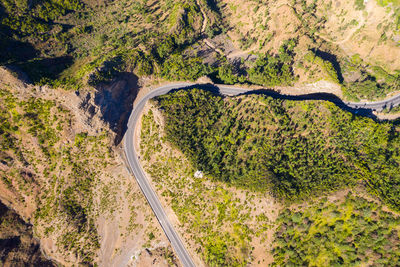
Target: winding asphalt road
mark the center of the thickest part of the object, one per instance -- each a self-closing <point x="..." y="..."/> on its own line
<point x="378" y="105"/>
<point x="138" y="173"/>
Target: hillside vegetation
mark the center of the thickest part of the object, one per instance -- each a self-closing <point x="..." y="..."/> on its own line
<point x="71" y="70"/>
<point x="293" y="149"/>
<point x="231" y="225"/>
<point x="349" y="231"/>
<point x="223" y="225"/>
<point x="357" y="37"/>
<point x="75" y="44"/>
<point x="68" y="182"/>
<point x="43" y="121"/>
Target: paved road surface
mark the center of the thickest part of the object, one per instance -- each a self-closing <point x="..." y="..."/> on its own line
<point x="143" y="182"/>
<point x="378" y="105"/>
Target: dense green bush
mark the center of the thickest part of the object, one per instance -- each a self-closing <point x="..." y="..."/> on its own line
<point x="179" y="67"/>
<point x="373" y="84"/>
<point x="165" y="47"/>
<point x="355" y="232"/>
<point x="185" y="15"/>
<point x="106" y="72"/>
<point x="271" y="70"/>
<point x="294" y="149"/>
<point x="227" y="75"/>
<point x="325" y="65"/>
<point x="359" y="4"/>
<point x="35" y="18"/>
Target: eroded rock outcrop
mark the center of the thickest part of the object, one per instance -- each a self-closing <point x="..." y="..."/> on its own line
<point x="112" y="102"/>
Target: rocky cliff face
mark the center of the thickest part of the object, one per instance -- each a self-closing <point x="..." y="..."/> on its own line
<point x="112" y="102"/>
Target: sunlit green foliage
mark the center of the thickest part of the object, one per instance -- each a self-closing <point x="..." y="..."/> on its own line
<point x="294" y="149"/>
<point x="271" y="70"/>
<point x="178" y="67"/>
<point x="220" y="223"/>
<point x="375" y="84"/>
<point x="226" y="74"/>
<point x="35" y="18"/>
<point x="325" y="65"/>
<point x="359" y="4"/>
<point x="353" y="232"/>
<point x="184" y="16"/>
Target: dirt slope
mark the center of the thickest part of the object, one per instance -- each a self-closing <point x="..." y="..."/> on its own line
<point x="61" y="172"/>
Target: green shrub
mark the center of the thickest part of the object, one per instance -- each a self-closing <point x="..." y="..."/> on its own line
<point x="359" y="4"/>
<point x="226" y="74"/>
<point x="325" y="65"/>
<point x="178" y="67"/>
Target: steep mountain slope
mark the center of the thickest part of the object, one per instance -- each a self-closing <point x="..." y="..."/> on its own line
<point x="258" y="181"/>
<point x="71" y="70"/>
<point x="62" y="173"/>
<point x="72" y="44"/>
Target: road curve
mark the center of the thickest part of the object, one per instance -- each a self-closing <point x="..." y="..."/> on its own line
<point x="377" y="105"/>
<point x="138" y="173"/>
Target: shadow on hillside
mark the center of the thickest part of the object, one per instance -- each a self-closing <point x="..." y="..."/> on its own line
<point x="267" y="92"/>
<point x="331" y="58"/>
<point x="317" y="96"/>
<point x="13" y="51"/>
<point x="44" y="68"/>
<point x="115" y="100"/>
